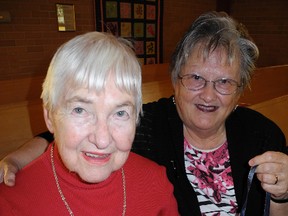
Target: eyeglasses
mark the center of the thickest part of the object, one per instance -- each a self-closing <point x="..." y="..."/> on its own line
<point x="195" y="82"/>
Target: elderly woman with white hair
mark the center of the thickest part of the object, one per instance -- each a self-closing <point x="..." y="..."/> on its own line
<point x="92" y="102"/>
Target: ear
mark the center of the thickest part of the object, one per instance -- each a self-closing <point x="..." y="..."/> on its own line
<point x="48" y="120"/>
<point x="175" y="84"/>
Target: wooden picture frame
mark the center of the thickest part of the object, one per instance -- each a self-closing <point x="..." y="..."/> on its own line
<point x="66" y="17"/>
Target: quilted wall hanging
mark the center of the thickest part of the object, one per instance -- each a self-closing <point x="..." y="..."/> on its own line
<point x="139" y="21"/>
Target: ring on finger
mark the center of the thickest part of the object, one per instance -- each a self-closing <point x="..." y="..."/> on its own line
<point x="276" y="180"/>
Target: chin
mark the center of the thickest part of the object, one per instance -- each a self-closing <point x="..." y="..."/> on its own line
<point x="95" y="179"/>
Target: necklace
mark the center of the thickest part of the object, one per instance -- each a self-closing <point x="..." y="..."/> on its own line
<point x="63" y="198"/>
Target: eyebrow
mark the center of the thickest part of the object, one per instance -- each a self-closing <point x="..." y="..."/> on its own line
<point x="79" y="99"/>
<point x="88" y="101"/>
<point x="125" y="104"/>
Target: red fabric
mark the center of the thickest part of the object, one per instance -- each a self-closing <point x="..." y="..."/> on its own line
<point x="147" y="188"/>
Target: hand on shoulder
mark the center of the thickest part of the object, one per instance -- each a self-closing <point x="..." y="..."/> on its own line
<point x="8" y="170"/>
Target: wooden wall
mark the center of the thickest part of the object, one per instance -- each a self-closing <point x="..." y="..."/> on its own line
<point x="267" y="22"/>
<point x="22" y="118"/>
<point x="178" y="16"/>
<point x="29" y="41"/>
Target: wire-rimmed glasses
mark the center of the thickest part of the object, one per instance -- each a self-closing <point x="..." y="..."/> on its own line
<point x="195" y="82"/>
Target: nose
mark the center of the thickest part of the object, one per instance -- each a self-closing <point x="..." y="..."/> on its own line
<point x="100" y="135"/>
<point x="208" y="92"/>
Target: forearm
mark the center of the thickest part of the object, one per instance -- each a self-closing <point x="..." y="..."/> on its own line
<point x="278" y="209"/>
<point x="16" y="160"/>
<point x="28" y="152"/>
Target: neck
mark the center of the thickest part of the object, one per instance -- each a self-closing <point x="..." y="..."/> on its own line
<point x="61" y="193"/>
<point x="204" y="139"/>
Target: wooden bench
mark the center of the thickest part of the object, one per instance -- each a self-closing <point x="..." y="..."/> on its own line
<point x="277" y="110"/>
<point x="267" y="83"/>
<point x="21" y="109"/>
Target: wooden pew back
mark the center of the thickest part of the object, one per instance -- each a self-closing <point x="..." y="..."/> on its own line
<point x="275" y="109"/>
<point x="156" y="82"/>
<point x="267" y="83"/>
<point x="21" y="108"/>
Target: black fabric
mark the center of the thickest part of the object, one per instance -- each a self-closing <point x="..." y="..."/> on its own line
<point x="47" y="135"/>
<point x="160" y="138"/>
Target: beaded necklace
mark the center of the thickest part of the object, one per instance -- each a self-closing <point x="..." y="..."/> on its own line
<point x="63" y="198"/>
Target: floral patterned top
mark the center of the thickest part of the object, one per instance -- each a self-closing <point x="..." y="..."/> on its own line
<point x="209" y="173"/>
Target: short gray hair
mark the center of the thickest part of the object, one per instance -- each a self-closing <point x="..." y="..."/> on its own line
<point x="217" y="30"/>
<point x="87" y="60"/>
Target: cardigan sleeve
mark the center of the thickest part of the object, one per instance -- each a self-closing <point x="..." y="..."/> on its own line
<point x="47" y="136"/>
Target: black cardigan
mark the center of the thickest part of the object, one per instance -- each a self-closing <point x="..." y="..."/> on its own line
<point x="160" y="138"/>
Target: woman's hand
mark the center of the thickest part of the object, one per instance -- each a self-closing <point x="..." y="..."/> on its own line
<point x="8" y="170"/>
<point x="272" y="172"/>
<point x="16" y="160"/>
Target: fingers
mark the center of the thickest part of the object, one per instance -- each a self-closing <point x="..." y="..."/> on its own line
<point x="269" y="179"/>
<point x="269" y="157"/>
<point x="7" y="172"/>
<point x="280" y="189"/>
<point x="1" y="176"/>
<point x="276" y="179"/>
<point x="272" y="172"/>
<point x="9" y="178"/>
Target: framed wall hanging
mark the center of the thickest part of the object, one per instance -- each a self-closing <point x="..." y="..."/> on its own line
<point x="139" y="21"/>
<point x="66" y="17"/>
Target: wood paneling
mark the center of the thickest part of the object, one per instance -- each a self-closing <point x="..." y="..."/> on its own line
<point x="21" y="109"/>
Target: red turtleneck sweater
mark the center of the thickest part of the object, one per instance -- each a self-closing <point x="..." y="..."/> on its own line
<point x="148" y="191"/>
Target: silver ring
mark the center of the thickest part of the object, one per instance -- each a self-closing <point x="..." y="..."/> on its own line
<point x="276" y="179"/>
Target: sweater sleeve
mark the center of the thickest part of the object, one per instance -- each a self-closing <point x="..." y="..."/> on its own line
<point x="47" y="136"/>
<point x="6" y="208"/>
<point x="170" y="207"/>
<point x="143" y="143"/>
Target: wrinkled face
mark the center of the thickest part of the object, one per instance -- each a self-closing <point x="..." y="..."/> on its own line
<point x="206" y="110"/>
<point x="94" y="132"/>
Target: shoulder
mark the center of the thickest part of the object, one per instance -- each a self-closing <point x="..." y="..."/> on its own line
<point x="158" y="114"/>
<point x="251" y="125"/>
<point x="142" y="173"/>
<point x="32" y="174"/>
<point x="148" y="185"/>
<point x="5" y="207"/>
<point x="161" y="104"/>
<point x="37" y="166"/>
<point x="136" y="160"/>
<point x="29" y="183"/>
<point x="252" y="118"/>
<point x="141" y="166"/>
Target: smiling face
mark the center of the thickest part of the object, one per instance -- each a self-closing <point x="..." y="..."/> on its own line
<point x="94" y="131"/>
<point x="204" y="111"/>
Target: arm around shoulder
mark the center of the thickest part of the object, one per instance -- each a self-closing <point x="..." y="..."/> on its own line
<point x="16" y="160"/>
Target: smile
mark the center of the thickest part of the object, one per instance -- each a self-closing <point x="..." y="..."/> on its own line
<point x="97" y="155"/>
<point x="206" y="108"/>
<point x="96" y="158"/>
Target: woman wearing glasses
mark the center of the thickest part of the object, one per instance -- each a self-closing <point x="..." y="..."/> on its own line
<point x="206" y="142"/>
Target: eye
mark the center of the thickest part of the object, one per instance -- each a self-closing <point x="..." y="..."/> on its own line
<point x="78" y="110"/>
<point x="223" y="81"/>
<point x="121" y="113"/>
<point x="227" y="82"/>
<point x="195" y="77"/>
